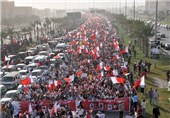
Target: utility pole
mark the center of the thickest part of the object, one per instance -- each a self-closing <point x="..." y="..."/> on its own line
<point x="120" y="7"/>
<point x="134" y="9"/>
<point x="116" y="7"/>
<point x="126" y="8"/>
<point x="156" y="19"/>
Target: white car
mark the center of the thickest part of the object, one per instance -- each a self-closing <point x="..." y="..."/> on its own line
<point x="11" y="94"/>
<point x="20" y="66"/>
<point x="45" y="53"/>
<point x="23" y="73"/>
<point x="29" y="59"/>
<point x="40" y="57"/>
<point x="35" y="73"/>
<point x="5" y="100"/>
<point x="32" y="66"/>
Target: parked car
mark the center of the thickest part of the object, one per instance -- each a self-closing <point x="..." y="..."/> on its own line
<point x="45" y="53"/>
<point x="5" y="100"/>
<point x="32" y="66"/>
<point x="29" y="59"/>
<point x="23" y="73"/>
<point x="9" y="68"/>
<point x="11" y="94"/>
<point x="163" y="36"/>
<point x="39" y="58"/>
<point x="167" y="46"/>
<point x="3" y="90"/>
<point x="20" y="66"/>
<point x="22" y="55"/>
<point x="13" y="59"/>
<point x="11" y="80"/>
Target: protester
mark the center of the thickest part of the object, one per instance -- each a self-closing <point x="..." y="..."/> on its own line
<point x="150" y="93"/>
<point x="156" y="112"/>
<point x="135" y="101"/>
<point x="155" y="97"/>
<point x="143" y="105"/>
<point x="93" y="73"/>
<point x="121" y="110"/>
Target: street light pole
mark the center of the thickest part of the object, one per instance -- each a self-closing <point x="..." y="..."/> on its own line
<point x="134" y="9"/>
<point x="126" y="8"/>
<point x="120" y="7"/>
<point x="156" y="18"/>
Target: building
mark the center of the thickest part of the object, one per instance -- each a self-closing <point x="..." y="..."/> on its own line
<point x="23" y="11"/>
<point x="42" y="12"/>
<point x="163" y="5"/>
<point x="7" y="9"/>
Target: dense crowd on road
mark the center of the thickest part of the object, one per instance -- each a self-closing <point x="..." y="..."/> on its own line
<point x="95" y="66"/>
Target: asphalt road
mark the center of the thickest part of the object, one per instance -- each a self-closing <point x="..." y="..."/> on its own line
<point x="167" y="37"/>
<point x="167" y="34"/>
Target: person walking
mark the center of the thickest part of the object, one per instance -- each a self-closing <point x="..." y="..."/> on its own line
<point x="135" y="101"/>
<point x="121" y="109"/>
<point x="143" y="105"/>
<point x="155" y="97"/>
<point x="150" y="93"/>
<point x="156" y="112"/>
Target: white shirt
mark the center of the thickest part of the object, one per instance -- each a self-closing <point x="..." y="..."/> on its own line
<point x="143" y="105"/>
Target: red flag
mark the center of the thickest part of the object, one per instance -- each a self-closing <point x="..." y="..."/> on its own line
<point x="100" y="75"/>
<point x="116" y="80"/>
<point x="26" y="81"/>
<point x="79" y="73"/>
<point x="70" y="51"/>
<point x="123" y="51"/>
<point x="67" y="80"/>
<point x="107" y="68"/>
<point x="137" y="83"/>
<point x="99" y="66"/>
<point x="73" y="42"/>
<point x="39" y="63"/>
<point x="69" y="35"/>
<point x="57" y="56"/>
<point x="93" y="37"/>
<point x="116" y="57"/>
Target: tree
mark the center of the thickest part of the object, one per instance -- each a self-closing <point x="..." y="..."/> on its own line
<point x="147" y="31"/>
<point x="162" y="15"/>
<point x="10" y="32"/>
<point x="3" y="35"/>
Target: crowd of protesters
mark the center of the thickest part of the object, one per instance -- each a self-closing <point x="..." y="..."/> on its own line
<point x="95" y="56"/>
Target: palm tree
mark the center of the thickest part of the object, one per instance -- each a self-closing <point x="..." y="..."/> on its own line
<point x="29" y="29"/>
<point x="34" y="28"/>
<point x="147" y="31"/>
<point x="37" y="23"/>
<point x="3" y="35"/>
<point x="10" y="32"/>
<point x="48" y="22"/>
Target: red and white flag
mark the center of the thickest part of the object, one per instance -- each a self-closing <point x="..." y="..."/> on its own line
<point x="100" y="75"/>
<point x="99" y="66"/>
<point x="116" y="80"/>
<point x="116" y="57"/>
<point x="140" y="82"/>
<point x="107" y="68"/>
<point x="26" y="81"/>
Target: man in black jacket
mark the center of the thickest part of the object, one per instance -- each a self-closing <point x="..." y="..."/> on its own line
<point x="156" y="112"/>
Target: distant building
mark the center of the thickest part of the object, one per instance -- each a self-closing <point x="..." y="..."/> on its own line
<point x="7" y="9"/>
<point x="23" y="11"/>
<point x="163" y="5"/>
<point x="60" y="13"/>
<point x="42" y="12"/>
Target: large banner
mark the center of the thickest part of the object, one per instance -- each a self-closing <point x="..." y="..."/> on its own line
<point x="103" y="105"/>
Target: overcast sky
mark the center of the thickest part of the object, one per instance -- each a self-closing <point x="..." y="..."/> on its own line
<point x="73" y="4"/>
